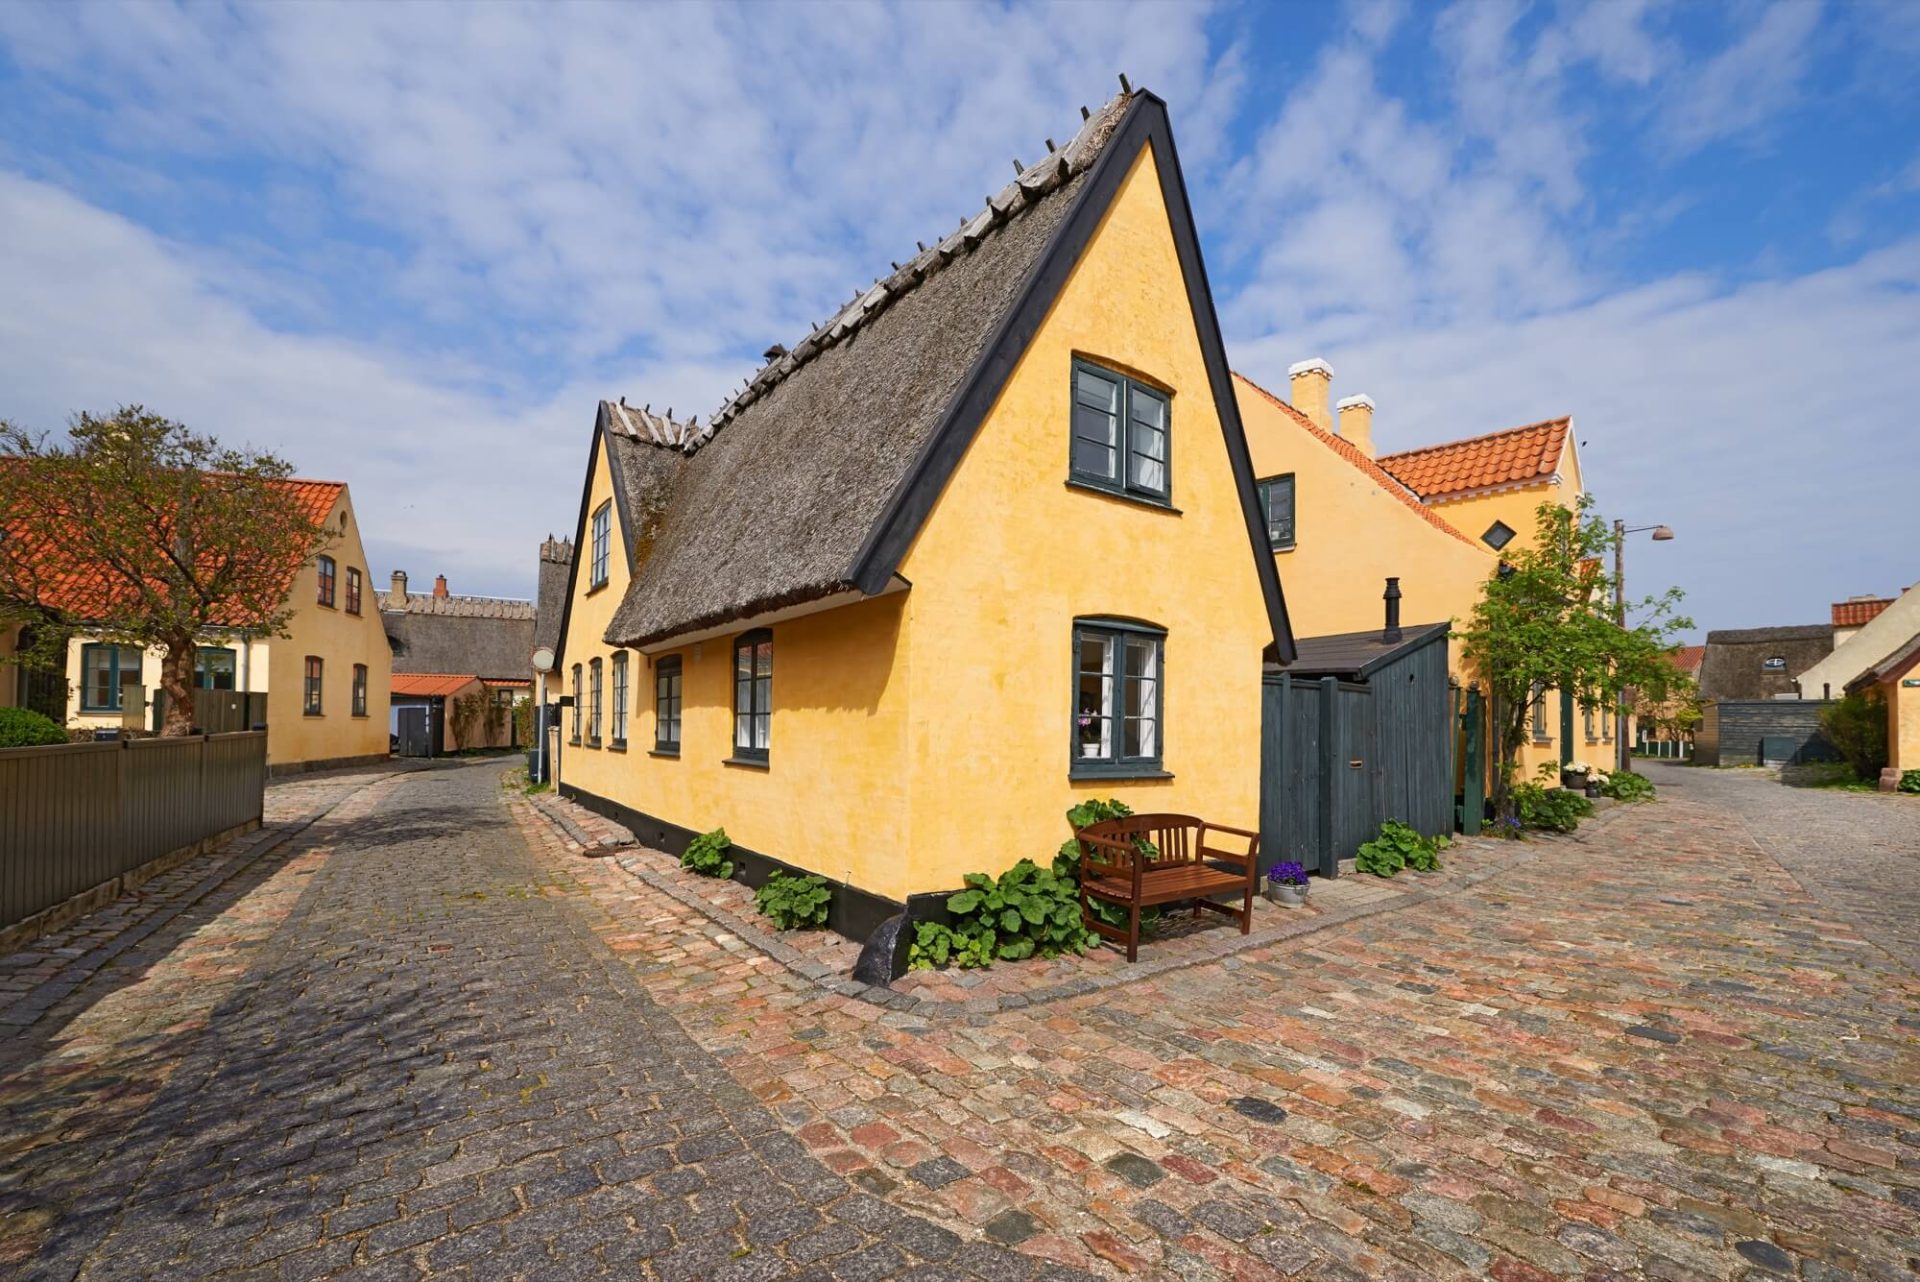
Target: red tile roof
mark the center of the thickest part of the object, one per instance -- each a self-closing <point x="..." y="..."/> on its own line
<point x="1515" y="456"/>
<point x="1853" y="614"/>
<point x="83" y="592"/>
<point x="1355" y="455"/>
<point x="419" y="685"/>
<point x="1687" y="659"/>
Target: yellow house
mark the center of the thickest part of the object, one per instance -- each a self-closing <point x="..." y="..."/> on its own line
<point x="1898" y="679"/>
<point x="323" y="685"/>
<point x="985" y="544"/>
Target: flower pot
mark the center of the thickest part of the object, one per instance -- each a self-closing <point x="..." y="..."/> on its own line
<point x="1286" y="894"/>
<point x="1593" y="789"/>
<point x="1573" y="779"/>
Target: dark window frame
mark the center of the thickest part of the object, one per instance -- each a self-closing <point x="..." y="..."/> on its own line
<point x="1116" y="763"/>
<point x="313" y="687"/>
<point x="617" y="730"/>
<point x="1498" y="535"/>
<point x="353" y="589"/>
<point x="602" y="546"/>
<point x="579" y="708"/>
<point x="1265" y="490"/>
<point x="1537" y="716"/>
<point x="669" y="693"/>
<point x="325" y="572"/>
<point x="359" y="695"/>
<point x="596" y="684"/>
<point x="759" y="691"/>
<point x="1122" y="485"/>
<point x="115" y="683"/>
<point x="199" y="669"/>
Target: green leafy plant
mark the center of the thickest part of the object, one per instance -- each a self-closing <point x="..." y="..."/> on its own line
<point x="707" y="854"/>
<point x="1028" y="911"/>
<point x="20" y="728"/>
<point x="1397" y="847"/>
<point x="794" y="903"/>
<point x="1624" y="786"/>
<point x="1549" y="809"/>
<point x="1910" y="781"/>
<point x="1066" y="863"/>
<point x="1857" y="727"/>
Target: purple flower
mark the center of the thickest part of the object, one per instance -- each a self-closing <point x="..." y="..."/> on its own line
<point x="1287" y="873"/>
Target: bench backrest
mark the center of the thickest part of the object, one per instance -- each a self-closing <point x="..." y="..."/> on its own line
<point x="1157" y="840"/>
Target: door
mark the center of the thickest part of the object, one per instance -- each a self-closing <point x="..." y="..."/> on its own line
<point x="415" y="729"/>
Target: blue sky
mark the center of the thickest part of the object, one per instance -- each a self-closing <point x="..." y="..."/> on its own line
<point x="410" y="247"/>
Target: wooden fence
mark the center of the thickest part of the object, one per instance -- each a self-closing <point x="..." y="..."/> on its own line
<point x="81" y="821"/>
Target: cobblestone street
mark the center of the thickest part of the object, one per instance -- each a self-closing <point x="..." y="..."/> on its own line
<point x="428" y="1037"/>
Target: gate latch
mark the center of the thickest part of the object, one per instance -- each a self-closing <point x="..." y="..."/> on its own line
<point x="1356" y="763"/>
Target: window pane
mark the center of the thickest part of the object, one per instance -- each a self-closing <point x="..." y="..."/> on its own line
<point x="1147" y="442"/>
<point x="763" y="659"/>
<point x="1142" y="698"/>
<point x="1093" y="711"/>
<point x="762" y="726"/>
<point x="743" y="661"/>
<point x="743" y="730"/>
<point x="1095" y="436"/>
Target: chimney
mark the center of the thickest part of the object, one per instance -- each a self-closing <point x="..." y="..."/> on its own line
<point x="399" y="593"/>
<point x="1392" y="597"/>
<point x="440" y="586"/>
<point x="1356" y="422"/>
<point x="1310" y="381"/>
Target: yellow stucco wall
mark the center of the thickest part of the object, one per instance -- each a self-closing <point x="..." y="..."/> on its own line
<point x="833" y="795"/>
<point x="341" y="640"/>
<point x="1011" y="556"/>
<point x="1903" y="725"/>
<point x="1351" y="534"/>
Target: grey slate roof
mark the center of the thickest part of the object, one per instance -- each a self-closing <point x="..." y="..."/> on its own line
<point x="487" y="636"/>
<point x="550" y="605"/>
<point x="770" y="502"/>
<point x="1358" y="654"/>
<point x="1733" y="665"/>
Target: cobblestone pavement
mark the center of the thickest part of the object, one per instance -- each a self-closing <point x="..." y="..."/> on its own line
<point x="1851" y="850"/>
<point x="1648" y="1052"/>
<point x="422" y="1061"/>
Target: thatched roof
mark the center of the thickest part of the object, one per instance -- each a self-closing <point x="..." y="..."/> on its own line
<point x="486" y="636"/>
<point x="769" y="504"/>
<point x="1734" y="666"/>
<point x="550" y="603"/>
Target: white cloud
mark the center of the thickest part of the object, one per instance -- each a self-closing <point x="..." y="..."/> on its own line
<point x="1746" y="84"/>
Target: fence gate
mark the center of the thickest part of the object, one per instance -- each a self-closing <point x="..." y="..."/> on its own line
<point x="416" y="730"/>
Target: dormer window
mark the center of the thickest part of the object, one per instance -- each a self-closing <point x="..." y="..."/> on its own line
<point x="602" y="540"/>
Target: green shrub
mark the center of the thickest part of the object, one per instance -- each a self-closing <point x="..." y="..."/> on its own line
<point x="1027" y="911"/>
<point x="794" y="903"/>
<point x="1857" y="727"/>
<point x="22" y="728"/>
<point x="1622" y="785"/>
<point x="1910" y="781"/>
<point x="1397" y="847"/>
<point x="1066" y="863"/>
<point x="707" y="854"/>
<point x="1550" y="809"/>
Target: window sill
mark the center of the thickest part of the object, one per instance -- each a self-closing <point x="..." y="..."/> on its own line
<point x="1125" y="496"/>
<point x="574" y="742"/>
<point x="618" y="745"/>
<point x="670" y="753"/>
<point x="593" y="743"/>
<point x="326" y="605"/>
<point x="1285" y="547"/>
<point x="1120" y="770"/>
<point x="601" y="586"/>
<point x="746" y="763"/>
<point x="313" y="714"/>
<point x="359" y="716"/>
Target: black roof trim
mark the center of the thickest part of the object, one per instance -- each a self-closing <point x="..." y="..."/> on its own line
<point x="1145" y="124"/>
<point x="580" y="529"/>
<point x="1358" y="655"/>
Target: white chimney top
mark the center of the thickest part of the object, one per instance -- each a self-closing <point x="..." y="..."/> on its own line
<point x="1312" y="365"/>
<point x="1362" y="401"/>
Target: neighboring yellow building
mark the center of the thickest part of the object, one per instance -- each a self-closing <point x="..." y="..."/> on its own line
<point x="324" y="683"/>
<point x="984" y="545"/>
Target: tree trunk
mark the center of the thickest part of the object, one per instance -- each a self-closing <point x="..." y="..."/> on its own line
<point x="176" y="682"/>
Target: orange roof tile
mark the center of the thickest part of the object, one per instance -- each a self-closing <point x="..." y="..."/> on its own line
<point x="1687" y="659"/>
<point x="82" y="592"/>
<point x="1853" y="614"/>
<point x="1517" y="455"/>
<point x="1355" y="455"/>
<point x="419" y="685"/>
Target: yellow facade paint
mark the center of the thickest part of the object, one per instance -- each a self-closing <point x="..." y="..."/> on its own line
<point x="926" y="734"/>
<point x="1903" y="721"/>
<point x="276" y="666"/>
<point x="1351" y="534"/>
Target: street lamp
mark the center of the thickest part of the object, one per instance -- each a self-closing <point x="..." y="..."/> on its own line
<point x="1661" y="534"/>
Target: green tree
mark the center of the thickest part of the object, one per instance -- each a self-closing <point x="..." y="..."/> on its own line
<point x="147" y="533"/>
<point x="1857" y="727"/>
<point x="1545" y="621"/>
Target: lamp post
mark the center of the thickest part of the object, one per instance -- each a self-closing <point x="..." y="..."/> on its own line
<point x="1661" y="534"/>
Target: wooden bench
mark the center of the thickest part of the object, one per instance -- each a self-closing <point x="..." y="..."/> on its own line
<point x="1144" y="860"/>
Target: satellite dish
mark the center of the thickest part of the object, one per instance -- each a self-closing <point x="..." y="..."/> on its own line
<point x="543" y="659"/>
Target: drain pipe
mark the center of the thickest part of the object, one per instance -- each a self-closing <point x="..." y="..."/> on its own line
<point x="1392" y="597"/>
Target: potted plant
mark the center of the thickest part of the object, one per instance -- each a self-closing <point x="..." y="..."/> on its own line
<point x="1596" y="781"/>
<point x="1089" y="723"/>
<point x="1287" y="884"/>
<point x="1574" y="775"/>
